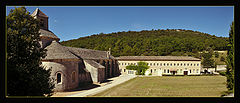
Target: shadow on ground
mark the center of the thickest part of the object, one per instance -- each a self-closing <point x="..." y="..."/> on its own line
<point x="88" y="86"/>
<point x="106" y="81"/>
<point x="85" y="87"/>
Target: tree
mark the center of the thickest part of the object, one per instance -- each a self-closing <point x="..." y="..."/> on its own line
<point x="207" y="61"/>
<point x="222" y="58"/>
<point x="141" y="67"/>
<point x="25" y="75"/>
<point x="230" y="60"/>
<point x="216" y="54"/>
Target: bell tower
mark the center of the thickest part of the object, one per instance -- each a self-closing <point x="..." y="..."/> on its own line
<point x="38" y="14"/>
<point x="46" y="36"/>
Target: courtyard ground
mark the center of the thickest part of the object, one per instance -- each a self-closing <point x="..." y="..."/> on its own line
<point x="169" y="86"/>
<point x="91" y="89"/>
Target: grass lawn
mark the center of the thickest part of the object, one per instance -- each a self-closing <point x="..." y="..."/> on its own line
<point x="170" y="86"/>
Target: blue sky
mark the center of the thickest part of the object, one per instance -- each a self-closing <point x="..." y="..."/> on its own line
<point x="72" y="22"/>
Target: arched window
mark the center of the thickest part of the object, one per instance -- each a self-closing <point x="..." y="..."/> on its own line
<point x="73" y="76"/>
<point x="41" y="23"/>
<point x="59" y="78"/>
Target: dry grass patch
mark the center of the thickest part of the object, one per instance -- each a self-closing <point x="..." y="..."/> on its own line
<point x="173" y="86"/>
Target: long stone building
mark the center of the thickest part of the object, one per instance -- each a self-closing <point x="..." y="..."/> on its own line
<point x="162" y="65"/>
<point x="73" y="66"/>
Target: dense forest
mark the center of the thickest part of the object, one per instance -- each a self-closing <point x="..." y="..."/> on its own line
<point x="151" y="42"/>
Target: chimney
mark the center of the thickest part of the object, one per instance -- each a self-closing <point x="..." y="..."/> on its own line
<point x="109" y="53"/>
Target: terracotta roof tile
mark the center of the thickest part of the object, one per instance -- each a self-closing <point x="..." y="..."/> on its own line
<point x="89" y="53"/>
<point x="154" y="58"/>
<point x="48" y="33"/>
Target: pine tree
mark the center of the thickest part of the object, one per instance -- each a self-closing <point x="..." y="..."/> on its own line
<point x="25" y="75"/>
<point x="230" y="60"/>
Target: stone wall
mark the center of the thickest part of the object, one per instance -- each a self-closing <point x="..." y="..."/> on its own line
<point x="84" y="74"/>
<point x="66" y="69"/>
<point x="101" y="74"/>
<point x="97" y="74"/>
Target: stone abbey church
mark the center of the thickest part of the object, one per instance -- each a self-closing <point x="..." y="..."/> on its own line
<point x="73" y="66"/>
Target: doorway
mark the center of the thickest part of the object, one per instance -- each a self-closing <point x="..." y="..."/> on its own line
<point x="173" y="72"/>
<point x="185" y="72"/>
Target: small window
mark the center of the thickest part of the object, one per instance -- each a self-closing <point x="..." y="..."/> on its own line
<point x="193" y="70"/>
<point x="160" y="64"/>
<point x="59" y="78"/>
<point x="187" y="64"/>
<point x="174" y="64"/>
<point x="164" y="64"/>
<point x="191" y="64"/>
<point x="155" y="70"/>
<point x="128" y="63"/>
<point x="125" y="63"/>
<point x="197" y="64"/>
<point x="167" y="64"/>
<point x="124" y="70"/>
<point x="184" y="64"/>
<point x="151" y="64"/>
<point x="157" y="64"/>
<point x="147" y="63"/>
<point x="190" y="70"/>
<point x="177" y="64"/>
<point x="154" y="64"/>
<point x="180" y="70"/>
<point x="197" y="70"/>
<point x="181" y="64"/>
<point x="194" y="64"/>
<point x="151" y="70"/>
<point x="164" y="70"/>
<point x="171" y="64"/>
<point x="168" y="71"/>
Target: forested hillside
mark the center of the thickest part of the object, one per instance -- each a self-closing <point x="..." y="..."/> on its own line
<point x="152" y="42"/>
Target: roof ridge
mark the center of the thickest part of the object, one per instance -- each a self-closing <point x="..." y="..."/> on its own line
<point x="37" y="12"/>
<point x="86" y="49"/>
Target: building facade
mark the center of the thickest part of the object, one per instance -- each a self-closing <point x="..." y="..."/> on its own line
<point x="72" y="66"/>
<point x="162" y="65"/>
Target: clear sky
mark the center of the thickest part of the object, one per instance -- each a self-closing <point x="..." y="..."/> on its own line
<point x="72" y="22"/>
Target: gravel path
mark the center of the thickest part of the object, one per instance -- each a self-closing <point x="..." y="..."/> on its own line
<point x="113" y="82"/>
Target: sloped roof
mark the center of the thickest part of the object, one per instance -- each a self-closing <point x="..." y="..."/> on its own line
<point x="39" y="13"/>
<point x="160" y="58"/>
<point x="48" y="33"/>
<point x="57" y="51"/>
<point x="94" y="64"/>
<point x="89" y="53"/>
